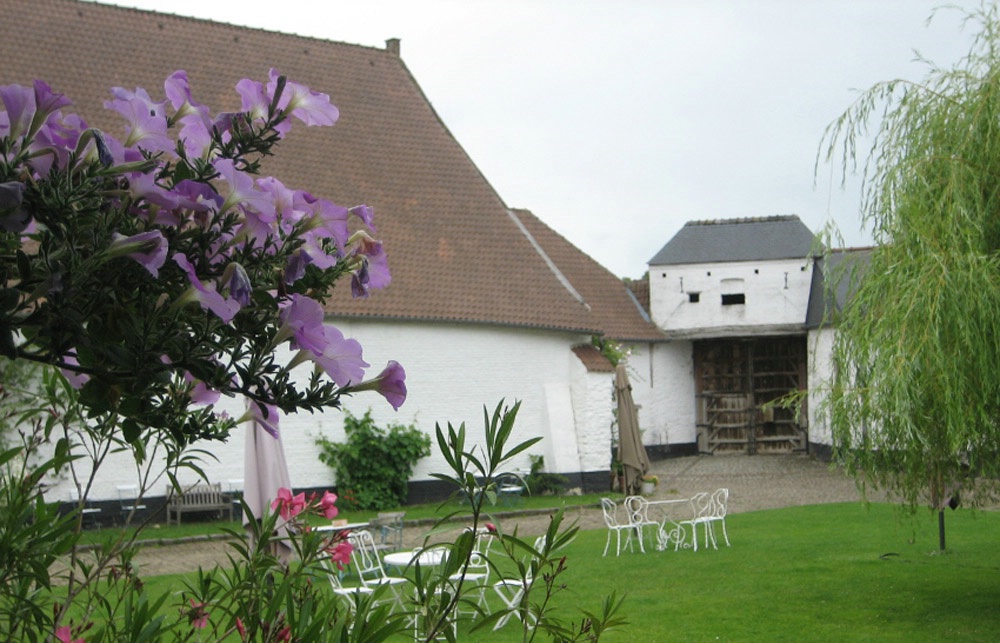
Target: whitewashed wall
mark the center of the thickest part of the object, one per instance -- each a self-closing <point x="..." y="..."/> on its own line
<point x="777" y="293"/>
<point x="820" y="370"/>
<point x="662" y="377"/>
<point x="593" y="413"/>
<point x="453" y="371"/>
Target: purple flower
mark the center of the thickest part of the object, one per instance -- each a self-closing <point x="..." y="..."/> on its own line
<point x="75" y="379"/>
<point x="341" y="358"/>
<point x="266" y="415"/>
<point x="390" y="384"/>
<point x="312" y="108"/>
<point x="296" y="267"/>
<point x="145" y="120"/>
<point x="302" y="320"/>
<point x="366" y="214"/>
<point x="29" y="107"/>
<point x="19" y="101"/>
<point x="14" y="217"/>
<point x="254" y="99"/>
<point x="238" y="188"/>
<point x="237" y="282"/>
<point x="207" y="298"/>
<point x="148" y="248"/>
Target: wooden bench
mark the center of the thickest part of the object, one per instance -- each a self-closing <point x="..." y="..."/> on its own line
<point x="200" y="497"/>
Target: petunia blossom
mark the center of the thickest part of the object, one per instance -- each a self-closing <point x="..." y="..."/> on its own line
<point x="310" y="107"/>
<point x="266" y="416"/>
<point x="237" y="187"/>
<point x="14" y="217"/>
<point x="341" y="358"/>
<point x="145" y="120"/>
<point x="225" y="309"/>
<point x="149" y="249"/>
<point x="390" y="384"/>
<point x="302" y="321"/>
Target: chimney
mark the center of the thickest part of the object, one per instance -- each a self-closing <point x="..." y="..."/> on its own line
<point x="392" y="46"/>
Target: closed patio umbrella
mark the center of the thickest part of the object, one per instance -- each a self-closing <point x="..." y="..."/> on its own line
<point x="265" y="471"/>
<point x="631" y="452"/>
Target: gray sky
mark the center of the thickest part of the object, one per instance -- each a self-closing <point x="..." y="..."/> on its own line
<point x="617" y="121"/>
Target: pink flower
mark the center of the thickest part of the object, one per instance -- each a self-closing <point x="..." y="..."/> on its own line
<point x="340" y="553"/>
<point x="490" y="527"/>
<point x="241" y="629"/>
<point x="287" y="505"/>
<point x="65" y="634"/>
<point x="327" y="505"/>
<point x="198" y="616"/>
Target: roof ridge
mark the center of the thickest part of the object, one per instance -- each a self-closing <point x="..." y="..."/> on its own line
<point x="547" y="259"/>
<point x="102" y="5"/>
<point x="741" y="220"/>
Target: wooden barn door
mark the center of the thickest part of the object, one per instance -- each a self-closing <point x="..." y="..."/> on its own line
<point x="734" y="379"/>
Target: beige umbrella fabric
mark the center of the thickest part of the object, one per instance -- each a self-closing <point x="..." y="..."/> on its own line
<point x="265" y="471"/>
<point x="631" y="452"/>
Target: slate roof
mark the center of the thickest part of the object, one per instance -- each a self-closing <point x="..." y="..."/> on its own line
<point x="833" y="281"/>
<point x="455" y="253"/>
<point x="726" y="240"/>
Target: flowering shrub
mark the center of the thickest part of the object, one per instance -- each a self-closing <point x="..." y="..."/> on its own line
<point x="156" y="273"/>
<point x="159" y="274"/>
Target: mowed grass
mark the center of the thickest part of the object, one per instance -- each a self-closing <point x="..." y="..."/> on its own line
<point x="840" y="572"/>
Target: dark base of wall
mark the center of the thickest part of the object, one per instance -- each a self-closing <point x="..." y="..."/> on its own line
<point x="822" y="452"/>
<point x="665" y="451"/>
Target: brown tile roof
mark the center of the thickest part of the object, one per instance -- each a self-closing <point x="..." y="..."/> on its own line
<point x="454" y="253"/>
<point x="616" y="309"/>
<point x="593" y="360"/>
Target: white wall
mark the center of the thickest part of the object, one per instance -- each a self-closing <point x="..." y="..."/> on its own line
<point x="777" y="293"/>
<point x="453" y="371"/>
<point x="593" y="406"/>
<point x="662" y="377"/>
<point x="820" y="349"/>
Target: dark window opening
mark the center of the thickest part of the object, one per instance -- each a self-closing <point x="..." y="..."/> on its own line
<point x="694" y="297"/>
<point x="733" y="300"/>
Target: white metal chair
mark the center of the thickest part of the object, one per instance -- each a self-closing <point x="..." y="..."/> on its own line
<point x="388" y="530"/>
<point x="511" y="591"/>
<point x="637" y="509"/>
<point x="350" y="593"/>
<point x="701" y="510"/>
<point x="129" y="501"/>
<point x="510" y="489"/>
<point x="477" y="573"/>
<point x="368" y="565"/>
<point x="88" y="512"/>
<point x="720" y="506"/>
<point x="615" y="526"/>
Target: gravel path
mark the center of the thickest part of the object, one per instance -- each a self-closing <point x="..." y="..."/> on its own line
<point x="754" y="483"/>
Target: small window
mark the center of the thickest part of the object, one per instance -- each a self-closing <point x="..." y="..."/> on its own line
<point x="694" y="297"/>
<point x="733" y="300"/>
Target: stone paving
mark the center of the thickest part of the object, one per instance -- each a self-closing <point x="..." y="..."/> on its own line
<point x="754" y="483"/>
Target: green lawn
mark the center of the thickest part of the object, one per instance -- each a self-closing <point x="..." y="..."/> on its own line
<point x="819" y="573"/>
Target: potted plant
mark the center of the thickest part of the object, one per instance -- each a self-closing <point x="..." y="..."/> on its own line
<point x="649" y="483"/>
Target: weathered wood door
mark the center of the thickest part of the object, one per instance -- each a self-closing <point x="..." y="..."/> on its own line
<point x="734" y="379"/>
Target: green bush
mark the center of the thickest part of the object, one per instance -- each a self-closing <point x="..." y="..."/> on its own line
<point x="374" y="465"/>
<point x="540" y="482"/>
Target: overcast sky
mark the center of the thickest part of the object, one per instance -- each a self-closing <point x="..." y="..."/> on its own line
<point x="617" y="121"/>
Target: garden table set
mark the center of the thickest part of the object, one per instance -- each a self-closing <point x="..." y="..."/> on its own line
<point x="669" y="520"/>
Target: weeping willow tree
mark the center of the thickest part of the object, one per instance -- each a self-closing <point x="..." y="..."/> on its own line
<point x="915" y="400"/>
